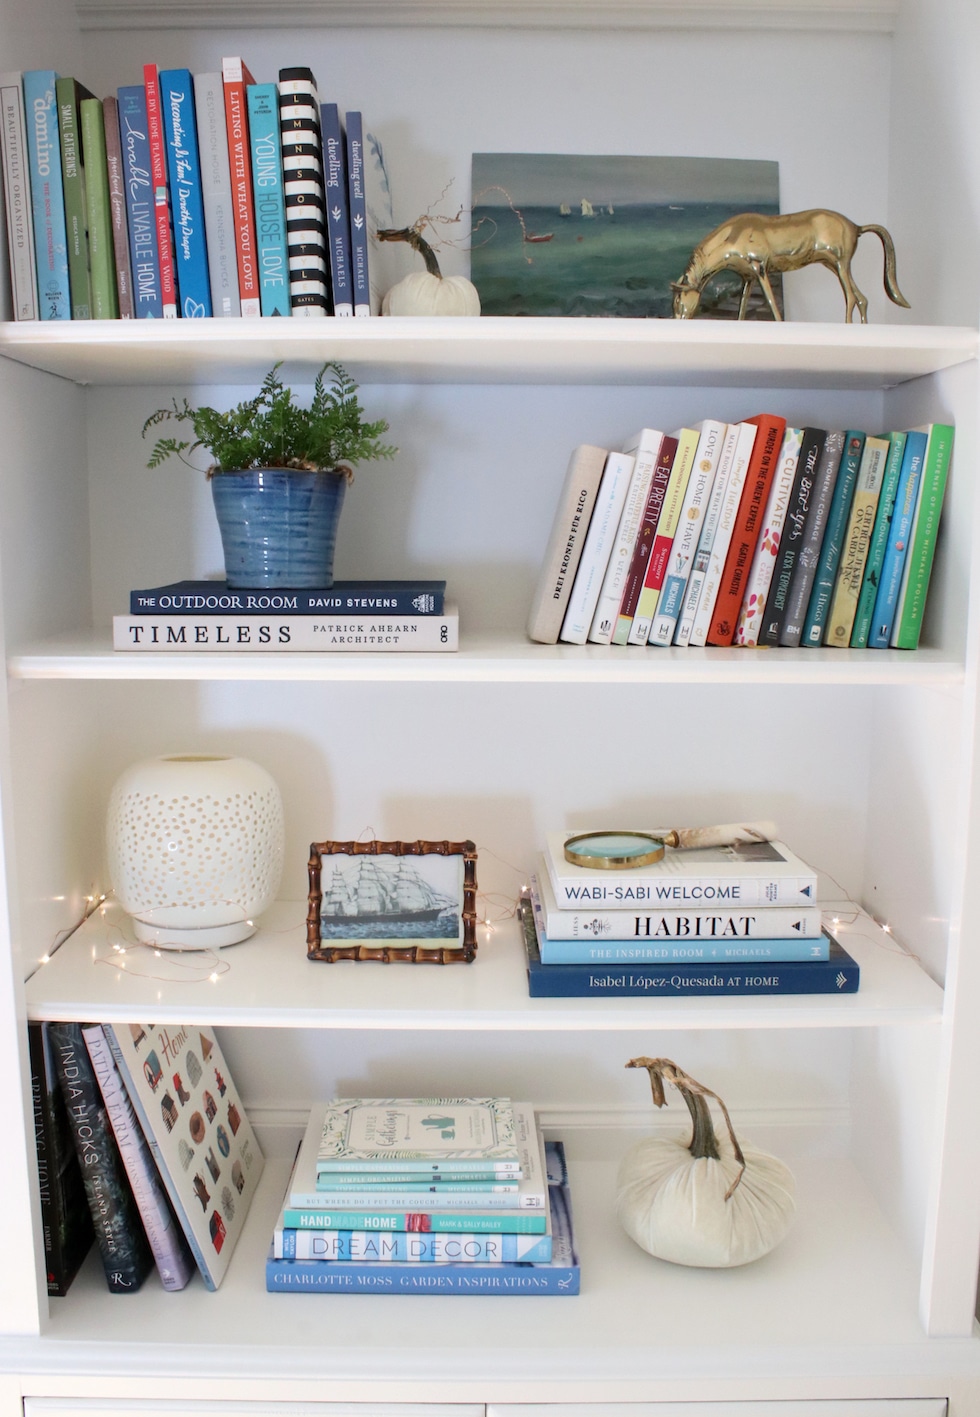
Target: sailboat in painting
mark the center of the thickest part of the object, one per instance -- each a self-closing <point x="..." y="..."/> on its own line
<point x="375" y="896"/>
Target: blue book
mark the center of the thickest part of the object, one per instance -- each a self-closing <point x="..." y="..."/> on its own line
<point x="343" y="598"/>
<point x="410" y="1247"/>
<point x="878" y="544"/>
<point x="896" y="550"/>
<point x="267" y="193"/>
<point x="838" y="974"/>
<point x="47" y="194"/>
<point x="186" y="196"/>
<point x="833" y="539"/>
<point x="338" y="216"/>
<point x="357" y="203"/>
<point x="144" y="251"/>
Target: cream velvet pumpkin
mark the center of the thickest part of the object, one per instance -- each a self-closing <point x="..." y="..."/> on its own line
<point x="422" y="293"/>
<point x="709" y="1203"/>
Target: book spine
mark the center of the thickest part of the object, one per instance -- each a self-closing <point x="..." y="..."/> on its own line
<point x="162" y="217"/>
<point x="119" y="1231"/>
<point x="565" y="541"/>
<point x="404" y="1247"/>
<point x="337" y="211"/>
<point x="861" y="633"/>
<point x="144" y="255"/>
<point x="688" y="534"/>
<point x="825" y="576"/>
<point x="680" y="472"/>
<point x="299" y="632"/>
<point x="464" y="1221"/>
<point x="744" y="444"/>
<point x="698" y="890"/>
<point x="645" y="449"/>
<point x="66" y="1222"/>
<point x="105" y="298"/>
<point x="117" y="208"/>
<point x="68" y="93"/>
<point x="709" y="980"/>
<point x="417" y="1201"/>
<point x="586" y="952"/>
<point x="606" y="614"/>
<point x="794" y="534"/>
<point x="371" y="598"/>
<point x="212" y="143"/>
<point x="669" y="928"/>
<point x="235" y="79"/>
<point x="170" y="1251"/>
<point x="357" y="207"/>
<point x="922" y="542"/>
<point x="748" y="524"/>
<point x="323" y="1276"/>
<point x="334" y="1184"/>
<point x="47" y="195"/>
<point x="606" y="513"/>
<point x="854" y="551"/>
<point x="809" y="555"/>
<point x="896" y="551"/>
<point x="644" y="601"/>
<point x="302" y="161"/>
<point x="267" y="194"/>
<point x="187" y="199"/>
<point x="749" y="624"/>
<point x="17" y="198"/>
<point x="709" y="528"/>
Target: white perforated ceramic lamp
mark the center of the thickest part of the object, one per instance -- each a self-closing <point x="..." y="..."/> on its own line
<point x="195" y="848"/>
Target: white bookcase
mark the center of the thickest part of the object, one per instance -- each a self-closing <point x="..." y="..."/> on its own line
<point x="866" y="760"/>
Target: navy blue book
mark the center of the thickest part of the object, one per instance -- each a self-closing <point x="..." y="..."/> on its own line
<point x="342" y="598"/>
<point x="144" y="251"/>
<point x="358" y="215"/>
<point x="839" y="974"/>
<point x="186" y="195"/>
<point x="338" y="216"/>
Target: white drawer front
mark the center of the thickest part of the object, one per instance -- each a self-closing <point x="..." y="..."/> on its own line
<point x="93" y="1407"/>
<point x="837" y="1407"/>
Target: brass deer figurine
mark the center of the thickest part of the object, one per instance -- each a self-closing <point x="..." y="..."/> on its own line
<point x="752" y="246"/>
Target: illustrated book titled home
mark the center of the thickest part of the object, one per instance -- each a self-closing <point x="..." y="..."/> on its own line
<point x="200" y="1137"/>
<point x="423" y="1135"/>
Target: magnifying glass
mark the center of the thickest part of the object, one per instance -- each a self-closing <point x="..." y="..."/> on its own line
<point x="620" y="850"/>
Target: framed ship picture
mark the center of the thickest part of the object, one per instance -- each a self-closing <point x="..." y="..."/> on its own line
<point x="389" y="902"/>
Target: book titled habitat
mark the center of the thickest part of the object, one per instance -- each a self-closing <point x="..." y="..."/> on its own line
<point x="567" y="234"/>
<point x="417" y="898"/>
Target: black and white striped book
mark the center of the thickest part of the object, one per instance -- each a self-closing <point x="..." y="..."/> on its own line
<point x="303" y="191"/>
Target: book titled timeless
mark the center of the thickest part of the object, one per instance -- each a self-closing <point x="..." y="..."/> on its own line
<point x="750" y="874"/>
<point x="838" y="974"/>
<point x="342" y="598"/>
<point x="346" y="633"/>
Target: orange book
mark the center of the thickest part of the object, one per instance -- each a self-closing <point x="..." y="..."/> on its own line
<point x="161" y="191"/>
<point x="235" y="76"/>
<point x="748" y="525"/>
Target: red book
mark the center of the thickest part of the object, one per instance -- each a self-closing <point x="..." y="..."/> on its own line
<point x="235" y="76"/>
<point x="748" y="525"/>
<point x="161" y="192"/>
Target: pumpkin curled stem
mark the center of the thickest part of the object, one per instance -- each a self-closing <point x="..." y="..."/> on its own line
<point x="704" y="1142"/>
<point x="413" y="236"/>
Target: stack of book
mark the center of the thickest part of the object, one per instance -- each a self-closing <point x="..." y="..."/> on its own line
<point x="713" y="920"/>
<point x="750" y="533"/>
<point x="350" y="616"/>
<point x="425" y="1196"/>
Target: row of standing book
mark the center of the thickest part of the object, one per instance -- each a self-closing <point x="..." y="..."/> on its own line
<point x="752" y="533"/>
<point x="425" y="1196"/>
<point x="185" y="195"/>
<point x="725" y="920"/>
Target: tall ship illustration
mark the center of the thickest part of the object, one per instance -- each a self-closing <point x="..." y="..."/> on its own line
<point x="367" y="893"/>
<point x="587" y="208"/>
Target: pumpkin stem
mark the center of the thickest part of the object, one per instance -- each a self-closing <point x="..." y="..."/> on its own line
<point x="413" y="236"/>
<point x="704" y="1142"/>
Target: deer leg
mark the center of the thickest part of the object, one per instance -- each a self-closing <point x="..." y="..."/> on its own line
<point x="854" y="298"/>
<point x="763" y="275"/>
<point x="746" y="292"/>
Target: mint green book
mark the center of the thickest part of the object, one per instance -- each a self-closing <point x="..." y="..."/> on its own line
<point x="69" y="94"/>
<point x="101" y="251"/>
<point x="922" y="540"/>
<point x="864" y="614"/>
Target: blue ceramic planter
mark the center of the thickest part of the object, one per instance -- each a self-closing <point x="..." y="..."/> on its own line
<point x="278" y="525"/>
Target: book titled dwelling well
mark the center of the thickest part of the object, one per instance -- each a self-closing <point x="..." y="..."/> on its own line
<point x="263" y="633"/>
<point x="342" y="598"/>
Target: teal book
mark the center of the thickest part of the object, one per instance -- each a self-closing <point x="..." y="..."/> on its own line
<point x="267" y="192"/>
<point x="69" y="94"/>
<point x="102" y="254"/>
<point x="47" y="194"/>
<point x="890" y="580"/>
<point x="840" y="510"/>
<point x="879" y="541"/>
<point x="922" y="538"/>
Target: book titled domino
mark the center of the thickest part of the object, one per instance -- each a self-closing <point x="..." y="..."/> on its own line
<point x="190" y="634"/>
<point x="47" y="194"/>
<point x="184" y="168"/>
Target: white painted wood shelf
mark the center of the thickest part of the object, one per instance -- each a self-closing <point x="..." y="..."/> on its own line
<point x="269" y="982"/>
<point x="492" y="350"/>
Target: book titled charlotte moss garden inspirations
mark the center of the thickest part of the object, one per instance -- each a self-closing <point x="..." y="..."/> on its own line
<point x="419" y="1133"/>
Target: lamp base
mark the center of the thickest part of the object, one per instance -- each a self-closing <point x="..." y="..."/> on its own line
<point x="205" y="937"/>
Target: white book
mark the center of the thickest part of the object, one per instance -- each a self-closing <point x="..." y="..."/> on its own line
<point x="763" y="562"/>
<point x="341" y="634"/>
<point x="709" y="527"/>
<point x="645" y="447"/>
<point x="597" y="548"/>
<point x="682" y="552"/>
<point x="17" y="198"/>
<point x="723" y="534"/>
<point x="573" y="513"/>
<point x="620" y="558"/>
<point x="219" y="220"/>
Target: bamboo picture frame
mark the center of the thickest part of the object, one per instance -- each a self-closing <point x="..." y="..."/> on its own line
<point x="392" y="902"/>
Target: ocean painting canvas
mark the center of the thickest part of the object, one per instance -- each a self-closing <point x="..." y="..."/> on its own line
<point x="572" y="234"/>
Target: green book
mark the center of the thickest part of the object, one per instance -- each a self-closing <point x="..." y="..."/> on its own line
<point x="879" y="540"/>
<point x="102" y="259"/>
<point x="69" y="94"/>
<point x="922" y="540"/>
<point x="840" y="509"/>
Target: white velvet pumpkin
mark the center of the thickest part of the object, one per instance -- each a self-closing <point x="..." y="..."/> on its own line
<point x="713" y="1211"/>
<point x="422" y="293"/>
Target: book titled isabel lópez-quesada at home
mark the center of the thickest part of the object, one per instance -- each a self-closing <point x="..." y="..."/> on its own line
<point x="200" y="1137"/>
<point x="753" y="873"/>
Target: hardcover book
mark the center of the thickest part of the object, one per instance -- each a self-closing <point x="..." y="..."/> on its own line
<point x="750" y="874"/>
<point x="66" y="1220"/>
<point x="162" y="212"/>
<point x="893" y="565"/>
<point x="267" y="193"/>
<point x="861" y="631"/>
<point x="117" y="207"/>
<point x="339" y="634"/>
<point x="605" y="618"/>
<point x="711" y="435"/>
<point x="342" y="598"/>
<point x="357" y="211"/>
<point x="922" y="538"/>
<point x="235" y="77"/>
<point x="419" y="1134"/>
<point x="144" y="254"/>
<point x="69" y="94"/>
<point x="212" y="142"/>
<point x="653" y="450"/>
<point x="825" y="576"/>
<point x="857" y="538"/>
<point x="334" y="143"/>
<point x="749" y="625"/>
<point x="47" y="195"/>
<point x="706" y="538"/>
<point x="101" y="247"/>
<point x="722" y="537"/>
<point x="17" y="198"/>
<point x="684" y="442"/>
<point x="798" y="514"/>
<point x="302" y="161"/>
<point x="186" y="195"/>
<point x="564" y="549"/>
<point x="805" y="570"/>
<point x="599" y="538"/>
<point x="197" y="1130"/>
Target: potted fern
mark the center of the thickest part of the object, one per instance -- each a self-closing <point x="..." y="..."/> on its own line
<point x="279" y="474"/>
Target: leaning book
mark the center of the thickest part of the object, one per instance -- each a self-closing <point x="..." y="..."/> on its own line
<point x="200" y="1137"/>
<point x="65" y="1217"/>
<point x="341" y="634"/>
